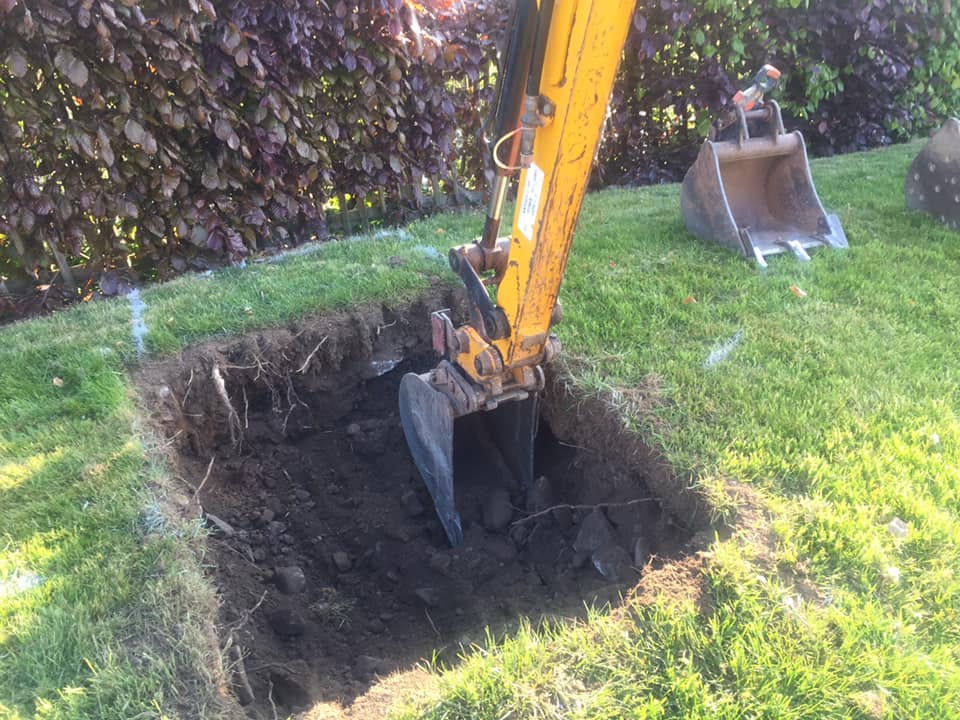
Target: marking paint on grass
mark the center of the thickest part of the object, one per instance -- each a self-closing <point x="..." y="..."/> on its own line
<point x="719" y="354"/>
<point x="430" y="252"/>
<point x="140" y="330"/>
<point x="309" y="248"/>
<point x="19" y="583"/>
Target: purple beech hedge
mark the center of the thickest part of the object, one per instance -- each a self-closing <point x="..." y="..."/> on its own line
<point x="152" y="136"/>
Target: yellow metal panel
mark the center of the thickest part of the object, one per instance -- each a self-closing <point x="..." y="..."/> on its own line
<point x="583" y="53"/>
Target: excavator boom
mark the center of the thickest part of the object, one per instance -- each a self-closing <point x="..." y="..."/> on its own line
<point x="562" y="59"/>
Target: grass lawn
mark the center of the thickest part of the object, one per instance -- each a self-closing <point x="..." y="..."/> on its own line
<point x="834" y="413"/>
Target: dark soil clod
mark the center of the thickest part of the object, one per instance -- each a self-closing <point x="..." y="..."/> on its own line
<point x="333" y="528"/>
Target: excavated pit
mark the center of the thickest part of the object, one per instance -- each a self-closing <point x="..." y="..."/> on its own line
<point x="331" y="566"/>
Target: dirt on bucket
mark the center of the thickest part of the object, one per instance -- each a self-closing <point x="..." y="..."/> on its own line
<point x="332" y="568"/>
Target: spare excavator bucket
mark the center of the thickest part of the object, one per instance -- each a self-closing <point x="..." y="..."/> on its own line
<point x="755" y="195"/>
<point x="933" y="181"/>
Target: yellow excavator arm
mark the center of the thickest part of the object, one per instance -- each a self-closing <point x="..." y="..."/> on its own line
<point x="552" y="101"/>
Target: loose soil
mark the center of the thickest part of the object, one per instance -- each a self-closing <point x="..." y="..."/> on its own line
<point x="331" y="565"/>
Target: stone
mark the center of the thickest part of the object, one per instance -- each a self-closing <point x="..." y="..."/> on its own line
<point x="518" y="533"/>
<point x="276" y="528"/>
<point x="501" y="549"/>
<point x="402" y="532"/>
<point x="287" y="623"/>
<point x="353" y="429"/>
<point x="563" y="517"/>
<point x="541" y="495"/>
<point x="613" y="562"/>
<point x="290" y="580"/>
<point x="266" y="517"/>
<point x="259" y="554"/>
<point x="370" y="665"/>
<point x="497" y="510"/>
<point x="579" y="560"/>
<point x="222" y="526"/>
<point x="626" y="518"/>
<point x="898" y="528"/>
<point x="640" y="553"/>
<point x="342" y="561"/>
<point x="440" y="562"/>
<point x="429" y="596"/>
<point x="411" y="503"/>
<point x="595" y="532"/>
<point x="179" y="499"/>
<point x="301" y="495"/>
<point x="376" y="625"/>
<point x="288" y="691"/>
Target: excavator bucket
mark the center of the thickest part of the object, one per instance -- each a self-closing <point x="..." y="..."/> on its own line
<point x="427" y="418"/>
<point x="755" y="195"/>
<point x="496" y="448"/>
<point x="933" y="181"/>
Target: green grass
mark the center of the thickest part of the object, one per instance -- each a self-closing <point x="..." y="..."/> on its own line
<point x="830" y="407"/>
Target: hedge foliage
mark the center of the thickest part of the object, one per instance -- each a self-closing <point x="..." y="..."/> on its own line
<point x="857" y="74"/>
<point x="156" y="135"/>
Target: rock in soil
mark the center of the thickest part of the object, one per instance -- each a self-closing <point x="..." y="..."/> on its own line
<point x="290" y="580"/>
<point x="369" y="665"/>
<point x="503" y="550"/>
<point x="497" y="510"/>
<point x="640" y="553"/>
<point x="412" y="504"/>
<point x="287" y="623"/>
<point x="613" y="562"/>
<point x="563" y="517"/>
<point x="579" y="560"/>
<point x="403" y="533"/>
<point x="342" y="561"/>
<point x="429" y="596"/>
<point x="595" y="532"/>
<point x="288" y="691"/>
<point x="541" y="495"/>
<point x="222" y="525"/>
<point x="440" y="562"/>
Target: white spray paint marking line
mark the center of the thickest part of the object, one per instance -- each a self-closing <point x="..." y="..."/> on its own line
<point x="721" y="353"/>
<point x="315" y="246"/>
<point x="429" y="252"/>
<point x="18" y="584"/>
<point x="140" y="330"/>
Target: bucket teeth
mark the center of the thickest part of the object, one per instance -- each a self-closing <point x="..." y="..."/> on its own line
<point x="932" y="184"/>
<point x="797" y="249"/>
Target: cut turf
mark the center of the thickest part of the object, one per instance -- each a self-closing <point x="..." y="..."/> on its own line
<point x="837" y="410"/>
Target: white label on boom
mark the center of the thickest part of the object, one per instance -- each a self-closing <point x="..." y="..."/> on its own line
<point x="531" y="201"/>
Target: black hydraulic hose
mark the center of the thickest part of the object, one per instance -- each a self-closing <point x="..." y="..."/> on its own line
<point x="516" y="69"/>
<point x="540" y="47"/>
